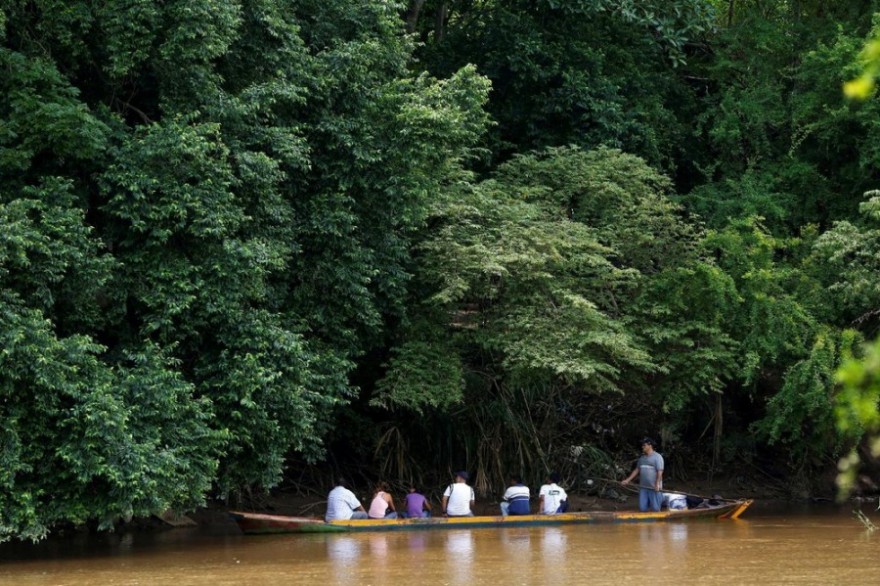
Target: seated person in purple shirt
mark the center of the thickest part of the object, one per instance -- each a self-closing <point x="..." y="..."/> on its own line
<point x="416" y="504"/>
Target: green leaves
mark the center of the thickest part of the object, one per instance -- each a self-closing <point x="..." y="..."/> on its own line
<point x="158" y="200"/>
<point x="208" y="210"/>
<point x="423" y="373"/>
<point x="584" y="73"/>
<point x="85" y="440"/>
<point x="845" y="261"/>
<point x="43" y="115"/>
<point x="802" y="412"/>
<point x="520" y="289"/>
<point x="856" y="412"/>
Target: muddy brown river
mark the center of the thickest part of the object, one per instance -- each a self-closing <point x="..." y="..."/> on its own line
<point x="797" y="546"/>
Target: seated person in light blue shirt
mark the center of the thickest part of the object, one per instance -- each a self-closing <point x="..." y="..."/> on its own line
<point x="342" y="505"/>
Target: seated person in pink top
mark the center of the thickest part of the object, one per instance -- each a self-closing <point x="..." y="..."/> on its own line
<point x="416" y="504"/>
<point x="382" y="506"/>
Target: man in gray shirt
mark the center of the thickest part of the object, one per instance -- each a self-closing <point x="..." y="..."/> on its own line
<point x="650" y="472"/>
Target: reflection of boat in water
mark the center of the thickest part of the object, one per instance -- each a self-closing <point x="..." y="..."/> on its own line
<point x="460" y="544"/>
<point x="253" y="523"/>
<point x="553" y="544"/>
<point x="345" y="550"/>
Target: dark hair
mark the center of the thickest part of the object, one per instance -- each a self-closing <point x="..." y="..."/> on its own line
<point x="340" y="481"/>
<point x="516" y="478"/>
<point x="382" y="486"/>
<point x="647" y="440"/>
<point x="554" y="477"/>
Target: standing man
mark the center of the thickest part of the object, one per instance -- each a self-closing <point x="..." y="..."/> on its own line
<point x="650" y="472"/>
<point x="342" y="505"/>
<point x="458" y="498"/>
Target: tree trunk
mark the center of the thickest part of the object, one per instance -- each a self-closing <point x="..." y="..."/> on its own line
<point x="412" y="15"/>
<point x="440" y="22"/>
<point x="719" y="428"/>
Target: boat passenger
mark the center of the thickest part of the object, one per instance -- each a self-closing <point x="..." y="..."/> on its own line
<point x="417" y="506"/>
<point x="458" y="498"/>
<point x="342" y="505"/>
<point x="649" y="469"/>
<point x="516" y="498"/>
<point x="552" y="498"/>
<point x="382" y="506"/>
<point x="675" y="501"/>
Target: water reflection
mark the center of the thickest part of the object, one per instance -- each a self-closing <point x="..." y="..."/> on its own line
<point x="417" y="540"/>
<point x="378" y="546"/>
<point x="460" y="544"/>
<point x="343" y="550"/>
<point x="553" y="555"/>
<point x="517" y="541"/>
<point x="553" y="545"/>
<point x="414" y="551"/>
<point x="651" y="540"/>
<point x="459" y="555"/>
<point x="678" y="533"/>
<point x="803" y="550"/>
<point x="664" y="541"/>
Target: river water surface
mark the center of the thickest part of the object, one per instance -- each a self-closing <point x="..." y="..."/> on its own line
<point x="794" y="547"/>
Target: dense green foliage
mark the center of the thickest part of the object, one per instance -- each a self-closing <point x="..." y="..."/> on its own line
<point x="197" y="200"/>
<point x="500" y="234"/>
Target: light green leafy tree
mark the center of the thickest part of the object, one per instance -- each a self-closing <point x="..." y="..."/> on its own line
<point x="674" y="300"/>
<point x="568" y="277"/>
<point x="845" y="260"/>
<point x="857" y="414"/>
<point x="510" y="321"/>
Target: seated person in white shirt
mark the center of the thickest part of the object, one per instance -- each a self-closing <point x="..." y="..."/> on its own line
<point x="342" y="505"/>
<point x="675" y="501"/>
<point x="458" y="498"/>
<point x="552" y="498"/>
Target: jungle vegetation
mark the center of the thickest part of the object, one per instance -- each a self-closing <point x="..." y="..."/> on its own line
<point x="239" y="238"/>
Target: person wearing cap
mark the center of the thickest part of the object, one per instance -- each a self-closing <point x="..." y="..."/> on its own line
<point x="649" y="469"/>
<point x="552" y="498"/>
<point x="516" y="498"/>
<point x="458" y="498"/>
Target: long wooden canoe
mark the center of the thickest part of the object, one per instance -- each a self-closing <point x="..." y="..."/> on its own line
<point x="255" y="523"/>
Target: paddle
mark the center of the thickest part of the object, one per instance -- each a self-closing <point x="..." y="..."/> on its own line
<point x="635" y="489"/>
